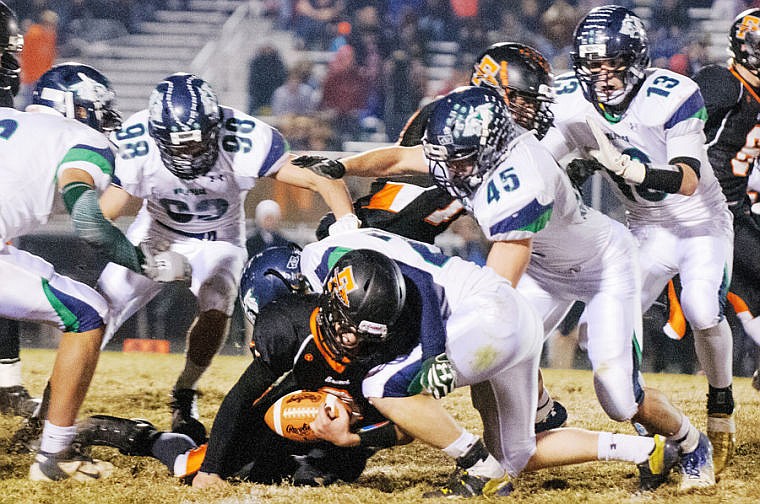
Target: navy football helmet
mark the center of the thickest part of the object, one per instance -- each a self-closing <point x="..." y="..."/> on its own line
<point x="526" y="79"/>
<point x="184" y="120"/>
<point x="610" y="43"/>
<point x="467" y="134"/>
<point x="364" y="294"/>
<point x="744" y="40"/>
<point x="272" y="273"/>
<point x="79" y="92"/>
<point x="11" y="43"/>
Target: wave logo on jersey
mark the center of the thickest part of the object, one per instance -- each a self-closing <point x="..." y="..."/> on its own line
<point x="749" y="24"/>
<point x="342" y="283"/>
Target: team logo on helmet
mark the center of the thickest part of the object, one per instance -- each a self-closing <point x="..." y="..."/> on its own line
<point x="749" y="24"/>
<point x="342" y="283"/>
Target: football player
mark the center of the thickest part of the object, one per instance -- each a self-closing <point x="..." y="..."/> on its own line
<point x="334" y="343"/>
<point x="191" y="161"/>
<point x="415" y="207"/>
<point x="59" y="145"/>
<point x="733" y="144"/>
<point x="14" y="397"/>
<point x="645" y="126"/>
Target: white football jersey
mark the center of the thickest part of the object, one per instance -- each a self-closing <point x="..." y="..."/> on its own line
<point x="34" y="149"/>
<point x="248" y="149"/>
<point x="664" y="121"/>
<point x="529" y="196"/>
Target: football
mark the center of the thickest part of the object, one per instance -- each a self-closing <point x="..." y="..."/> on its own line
<point x="292" y="413"/>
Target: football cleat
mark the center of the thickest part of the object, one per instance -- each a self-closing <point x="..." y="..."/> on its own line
<point x="184" y="406"/>
<point x="27" y="438"/>
<point x="555" y="419"/>
<point x="464" y="484"/>
<point x="130" y="437"/>
<point x="17" y="401"/>
<point x="696" y="467"/>
<point x="68" y="464"/>
<point x="655" y="470"/>
<point x="721" y="430"/>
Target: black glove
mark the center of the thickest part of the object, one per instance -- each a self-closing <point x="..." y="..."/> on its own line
<point x="579" y="170"/>
<point x="326" y="167"/>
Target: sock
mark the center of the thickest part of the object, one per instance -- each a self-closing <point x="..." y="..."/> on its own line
<point x="56" y="438"/>
<point x="545" y="405"/>
<point x="687" y="436"/>
<point x="624" y="447"/>
<point x="714" y="348"/>
<point x="10" y="373"/>
<point x="190" y="375"/>
<point x="462" y="445"/>
<point x="169" y="448"/>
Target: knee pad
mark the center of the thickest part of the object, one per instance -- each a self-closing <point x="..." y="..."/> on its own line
<point x="701" y="310"/>
<point x="614" y="390"/>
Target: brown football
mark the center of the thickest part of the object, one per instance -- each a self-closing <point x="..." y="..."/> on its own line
<point x="292" y="413"/>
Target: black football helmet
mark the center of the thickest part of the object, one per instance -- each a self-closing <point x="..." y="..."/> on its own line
<point x="614" y="37"/>
<point x="184" y="119"/>
<point x="79" y="92"/>
<point x="467" y="134"/>
<point x="272" y="273"/>
<point x="364" y="294"/>
<point x="744" y="40"/>
<point x="526" y="79"/>
<point x="11" y="43"/>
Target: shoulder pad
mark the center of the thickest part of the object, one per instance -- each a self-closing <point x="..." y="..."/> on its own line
<point x="719" y="87"/>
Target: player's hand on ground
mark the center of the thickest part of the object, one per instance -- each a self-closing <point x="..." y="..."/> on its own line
<point x="632" y="170"/>
<point x="326" y="167"/>
<point x="208" y="480"/>
<point x="165" y="265"/>
<point x="335" y="430"/>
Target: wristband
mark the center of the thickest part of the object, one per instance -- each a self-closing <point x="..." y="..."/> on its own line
<point x="663" y="179"/>
<point x="379" y="435"/>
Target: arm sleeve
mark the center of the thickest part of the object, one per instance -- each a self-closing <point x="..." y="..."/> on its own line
<point x="91" y="225"/>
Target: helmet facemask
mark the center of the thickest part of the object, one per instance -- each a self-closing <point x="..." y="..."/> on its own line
<point x="189" y="154"/>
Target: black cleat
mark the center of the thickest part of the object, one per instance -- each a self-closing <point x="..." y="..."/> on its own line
<point x="463" y="484"/>
<point x="130" y="437"/>
<point x="185" y="421"/>
<point x="17" y="401"/>
<point x="554" y="420"/>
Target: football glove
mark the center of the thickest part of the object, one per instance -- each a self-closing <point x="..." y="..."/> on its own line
<point x="326" y="167"/>
<point x="436" y="377"/>
<point x="164" y="265"/>
<point x="348" y="222"/>
<point x="632" y="170"/>
<point x="579" y="170"/>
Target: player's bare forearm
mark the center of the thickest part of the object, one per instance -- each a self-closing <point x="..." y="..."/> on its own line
<point x="386" y="161"/>
<point x="510" y="258"/>
<point x="333" y="192"/>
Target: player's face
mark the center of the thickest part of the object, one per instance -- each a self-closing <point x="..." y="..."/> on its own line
<point x="347" y="336"/>
<point x="608" y="77"/>
<point x="461" y="167"/>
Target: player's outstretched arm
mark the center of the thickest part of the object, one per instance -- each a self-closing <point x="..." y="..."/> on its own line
<point x="386" y="161"/>
<point x="333" y="192"/>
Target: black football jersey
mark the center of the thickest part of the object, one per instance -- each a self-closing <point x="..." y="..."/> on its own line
<point x="733" y="135"/>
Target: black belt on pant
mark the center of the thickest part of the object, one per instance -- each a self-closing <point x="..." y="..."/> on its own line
<point x="210" y="235"/>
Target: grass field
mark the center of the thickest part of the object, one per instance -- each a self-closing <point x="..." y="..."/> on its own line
<point x="137" y="385"/>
